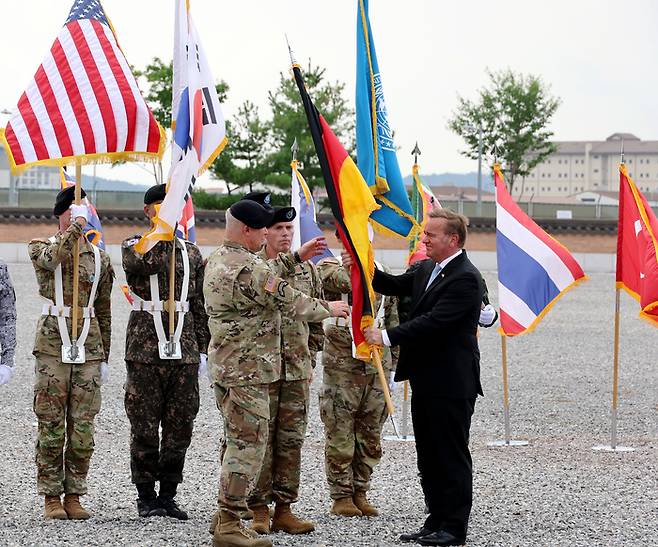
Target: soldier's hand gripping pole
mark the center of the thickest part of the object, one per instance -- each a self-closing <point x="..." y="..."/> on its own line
<point x="76" y="267"/>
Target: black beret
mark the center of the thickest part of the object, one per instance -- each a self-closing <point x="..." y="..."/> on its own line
<point x="252" y="213"/>
<point x="264" y="198"/>
<point x="155" y="193"/>
<point x="64" y="199"/>
<point x="283" y="214"/>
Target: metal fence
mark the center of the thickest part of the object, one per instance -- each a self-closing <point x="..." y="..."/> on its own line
<point x="107" y="200"/>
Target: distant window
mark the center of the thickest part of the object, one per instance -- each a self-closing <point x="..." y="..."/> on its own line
<point x="630" y="161"/>
<point x="641" y="161"/>
<point x="596" y="170"/>
<point x="549" y="161"/>
<point x="596" y="185"/>
<point x="543" y="175"/>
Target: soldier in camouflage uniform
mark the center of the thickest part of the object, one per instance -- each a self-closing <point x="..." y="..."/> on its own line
<point x="289" y="396"/>
<point x="352" y="405"/>
<point x="162" y="393"/>
<point x="7" y="325"/>
<point x="244" y="301"/>
<point x="67" y="397"/>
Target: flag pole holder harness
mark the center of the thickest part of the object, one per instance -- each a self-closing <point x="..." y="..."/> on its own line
<point x="73" y="351"/>
<point x="167" y="348"/>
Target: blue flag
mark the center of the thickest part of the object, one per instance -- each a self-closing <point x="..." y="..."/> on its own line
<point x="375" y="147"/>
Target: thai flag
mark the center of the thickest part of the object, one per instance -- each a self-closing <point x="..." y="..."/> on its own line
<point x="534" y="270"/>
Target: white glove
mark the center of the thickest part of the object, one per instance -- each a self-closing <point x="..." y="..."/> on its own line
<point x="203" y="365"/>
<point x="79" y="211"/>
<point x="487" y="316"/>
<point x="392" y="382"/>
<point x="5" y="374"/>
<point x="105" y="372"/>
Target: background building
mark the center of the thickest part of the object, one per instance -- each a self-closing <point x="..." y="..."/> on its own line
<point x="581" y="166"/>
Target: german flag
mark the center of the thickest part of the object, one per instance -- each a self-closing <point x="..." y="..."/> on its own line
<point x="351" y="204"/>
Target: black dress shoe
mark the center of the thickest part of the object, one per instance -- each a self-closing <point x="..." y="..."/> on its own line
<point x="149" y="507"/>
<point x="171" y="508"/>
<point x="441" y="538"/>
<point x="415" y="536"/>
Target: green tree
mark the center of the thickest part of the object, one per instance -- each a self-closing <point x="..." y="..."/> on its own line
<point x="249" y="141"/>
<point x="159" y="77"/>
<point x="289" y="122"/>
<point x="514" y="112"/>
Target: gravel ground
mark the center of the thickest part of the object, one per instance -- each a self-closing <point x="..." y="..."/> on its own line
<point x="556" y="491"/>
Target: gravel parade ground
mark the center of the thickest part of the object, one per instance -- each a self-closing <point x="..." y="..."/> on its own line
<point x="555" y="491"/>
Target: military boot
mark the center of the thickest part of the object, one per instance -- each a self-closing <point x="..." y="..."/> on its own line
<point x="230" y="533"/>
<point x="261" y="522"/>
<point x="167" y="502"/>
<point x="53" y="508"/>
<point x="73" y="509"/>
<point x="366" y="508"/>
<point x="215" y="521"/>
<point x="147" y="502"/>
<point x="285" y="521"/>
<point x="345" y="508"/>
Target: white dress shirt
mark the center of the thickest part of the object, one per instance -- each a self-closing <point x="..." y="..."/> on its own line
<point x="441" y="265"/>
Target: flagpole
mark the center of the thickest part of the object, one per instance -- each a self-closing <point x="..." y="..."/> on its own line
<point x="507" y="441"/>
<point x="76" y="266"/>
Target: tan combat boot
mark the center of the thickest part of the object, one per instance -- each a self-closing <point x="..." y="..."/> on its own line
<point x="361" y="501"/>
<point x="53" y="508"/>
<point x="261" y="522"/>
<point x="230" y="533"/>
<point x="345" y="508"/>
<point x="73" y="509"/>
<point x="285" y="521"/>
<point x="215" y="522"/>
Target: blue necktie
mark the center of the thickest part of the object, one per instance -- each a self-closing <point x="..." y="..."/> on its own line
<point x="435" y="272"/>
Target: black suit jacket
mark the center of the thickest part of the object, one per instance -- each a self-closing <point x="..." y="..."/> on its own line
<point x="438" y="343"/>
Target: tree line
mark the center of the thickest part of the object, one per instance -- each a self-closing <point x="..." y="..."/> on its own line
<point x="512" y="114"/>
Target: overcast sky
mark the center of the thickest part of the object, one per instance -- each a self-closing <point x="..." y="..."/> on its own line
<point x="599" y="57"/>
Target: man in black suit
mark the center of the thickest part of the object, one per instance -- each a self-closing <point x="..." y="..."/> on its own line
<point x="439" y="356"/>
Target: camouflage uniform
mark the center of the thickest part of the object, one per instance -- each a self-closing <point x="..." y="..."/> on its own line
<point x="289" y="396"/>
<point x="244" y="301"/>
<point x="67" y="397"/>
<point x="162" y="393"/>
<point x="7" y="318"/>
<point x="352" y="406"/>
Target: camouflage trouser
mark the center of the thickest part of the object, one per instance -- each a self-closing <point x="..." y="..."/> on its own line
<point x="353" y="411"/>
<point x="279" y="476"/>
<point x="66" y="400"/>
<point x="246" y="412"/>
<point x="160" y="396"/>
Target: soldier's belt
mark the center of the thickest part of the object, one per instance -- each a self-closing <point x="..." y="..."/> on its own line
<point x="159" y="305"/>
<point x="65" y="311"/>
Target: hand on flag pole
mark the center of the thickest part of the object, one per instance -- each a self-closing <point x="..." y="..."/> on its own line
<point x="339" y="308"/>
<point x="346" y="259"/>
<point x="373" y="336"/>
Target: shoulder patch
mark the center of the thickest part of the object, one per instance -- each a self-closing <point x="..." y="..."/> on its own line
<point x="274" y="285"/>
<point x="130" y="242"/>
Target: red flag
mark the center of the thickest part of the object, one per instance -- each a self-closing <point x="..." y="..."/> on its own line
<point x="637" y="247"/>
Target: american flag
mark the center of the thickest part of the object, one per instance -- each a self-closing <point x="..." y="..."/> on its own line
<point x="83" y="101"/>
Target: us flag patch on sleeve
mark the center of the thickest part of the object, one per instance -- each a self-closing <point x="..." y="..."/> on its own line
<point x="271" y="283"/>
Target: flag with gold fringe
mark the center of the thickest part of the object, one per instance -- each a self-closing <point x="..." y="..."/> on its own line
<point x="375" y="146"/>
<point x="534" y="269"/>
<point x="199" y="129"/>
<point x="83" y="104"/>
<point x="637" y="247"/>
<point x="351" y="204"/>
<point x="423" y="201"/>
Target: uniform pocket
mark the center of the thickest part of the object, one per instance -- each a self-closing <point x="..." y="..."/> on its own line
<point x="327" y="398"/>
